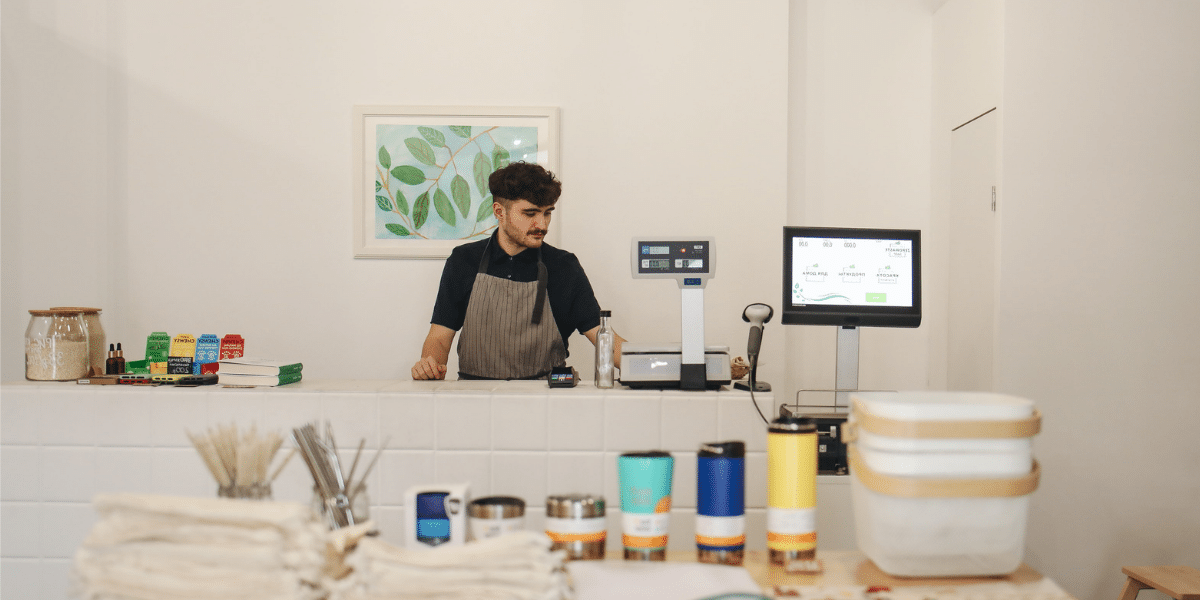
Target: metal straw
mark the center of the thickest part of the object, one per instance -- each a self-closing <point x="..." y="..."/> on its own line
<point x="322" y="460"/>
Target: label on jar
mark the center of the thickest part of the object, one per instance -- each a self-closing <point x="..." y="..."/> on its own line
<point x="645" y="531"/>
<point x="50" y="359"/>
<point x="791" y="528"/>
<point x="482" y="529"/>
<point x="720" y="531"/>
<point x="593" y="529"/>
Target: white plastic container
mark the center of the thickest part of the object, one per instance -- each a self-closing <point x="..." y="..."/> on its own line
<point x="940" y="481"/>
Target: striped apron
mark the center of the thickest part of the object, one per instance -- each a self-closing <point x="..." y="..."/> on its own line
<point x="509" y="331"/>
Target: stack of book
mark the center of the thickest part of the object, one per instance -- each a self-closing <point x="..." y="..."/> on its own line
<point x="258" y="371"/>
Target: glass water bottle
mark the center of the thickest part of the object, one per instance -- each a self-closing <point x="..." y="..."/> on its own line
<point x="604" y="352"/>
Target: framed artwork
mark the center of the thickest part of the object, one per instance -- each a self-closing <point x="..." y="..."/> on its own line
<point x="421" y="173"/>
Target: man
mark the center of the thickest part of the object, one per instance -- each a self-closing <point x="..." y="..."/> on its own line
<point x="515" y="298"/>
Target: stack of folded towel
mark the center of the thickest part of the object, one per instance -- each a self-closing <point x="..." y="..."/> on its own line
<point x="515" y="566"/>
<point x="160" y="547"/>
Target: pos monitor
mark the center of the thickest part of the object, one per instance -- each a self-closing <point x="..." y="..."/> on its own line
<point x="851" y="277"/>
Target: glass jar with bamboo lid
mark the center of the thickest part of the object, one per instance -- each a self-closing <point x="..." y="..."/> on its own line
<point x="56" y="346"/>
<point x="96" y="336"/>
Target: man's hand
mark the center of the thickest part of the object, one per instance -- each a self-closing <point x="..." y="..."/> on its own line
<point x="428" y="368"/>
<point x="434" y="354"/>
<point x="617" y="341"/>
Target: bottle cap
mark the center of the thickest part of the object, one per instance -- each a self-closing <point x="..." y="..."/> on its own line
<point x="792" y="424"/>
<point x="605" y="313"/>
<point x="722" y="450"/>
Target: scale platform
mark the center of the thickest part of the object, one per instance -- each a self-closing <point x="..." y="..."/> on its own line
<point x="656" y="366"/>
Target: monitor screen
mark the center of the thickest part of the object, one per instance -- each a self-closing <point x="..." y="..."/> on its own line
<point x="851" y="277"/>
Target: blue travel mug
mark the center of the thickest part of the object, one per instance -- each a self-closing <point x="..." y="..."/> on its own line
<point x="721" y="503"/>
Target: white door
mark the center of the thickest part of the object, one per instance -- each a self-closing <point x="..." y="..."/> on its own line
<point x="972" y="281"/>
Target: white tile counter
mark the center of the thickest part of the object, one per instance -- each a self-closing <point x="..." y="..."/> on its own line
<point x="62" y="443"/>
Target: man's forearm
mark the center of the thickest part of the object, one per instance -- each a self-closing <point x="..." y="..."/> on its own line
<point x="437" y="348"/>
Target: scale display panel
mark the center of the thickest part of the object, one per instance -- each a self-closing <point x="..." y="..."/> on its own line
<point x="685" y="260"/>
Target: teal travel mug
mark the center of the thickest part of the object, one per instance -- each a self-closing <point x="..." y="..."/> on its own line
<point x="645" y="480"/>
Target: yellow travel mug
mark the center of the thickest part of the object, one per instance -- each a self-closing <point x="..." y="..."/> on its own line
<point x="791" y="489"/>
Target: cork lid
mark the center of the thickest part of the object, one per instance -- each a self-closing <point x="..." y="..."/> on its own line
<point x="78" y="309"/>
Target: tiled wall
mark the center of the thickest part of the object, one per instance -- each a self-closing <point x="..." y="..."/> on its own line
<point x="62" y="443"/>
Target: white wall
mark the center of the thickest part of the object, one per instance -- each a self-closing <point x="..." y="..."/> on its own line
<point x="968" y="63"/>
<point x="1098" y="135"/>
<point x="865" y="111"/>
<point x="1096" y="302"/>
<point x="1098" y="131"/>
<point x="186" y="167"/>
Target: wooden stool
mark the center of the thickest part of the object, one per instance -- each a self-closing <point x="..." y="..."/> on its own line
<point x="1180" y="583"/>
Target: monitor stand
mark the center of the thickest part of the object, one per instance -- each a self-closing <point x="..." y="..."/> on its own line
<point x="846" y="377"/>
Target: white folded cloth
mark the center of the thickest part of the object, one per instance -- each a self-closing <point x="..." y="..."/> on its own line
<point x="169" y="548"/>
<point x="147" y="547"/>
<point x="515" y="566"/>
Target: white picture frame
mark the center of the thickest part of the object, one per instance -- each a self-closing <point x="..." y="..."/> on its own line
<point x="420" y="173"/>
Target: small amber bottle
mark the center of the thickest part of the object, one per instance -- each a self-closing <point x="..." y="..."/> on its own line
<point x="120" y="360"/>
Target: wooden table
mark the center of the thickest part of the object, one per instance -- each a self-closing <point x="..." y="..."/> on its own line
<point x="849" y="575"/>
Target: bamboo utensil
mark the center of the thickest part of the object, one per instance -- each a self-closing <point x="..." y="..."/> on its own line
<point x="240" y="462"/>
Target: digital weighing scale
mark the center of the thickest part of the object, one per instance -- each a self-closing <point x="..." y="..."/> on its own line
<point x="689" y="364"/>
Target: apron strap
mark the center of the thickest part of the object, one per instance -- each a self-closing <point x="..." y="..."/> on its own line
<point x="541" y="279"/>
<point x="541" y="290"/>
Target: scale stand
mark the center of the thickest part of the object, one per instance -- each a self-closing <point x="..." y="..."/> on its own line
<point x="693" y="373"/>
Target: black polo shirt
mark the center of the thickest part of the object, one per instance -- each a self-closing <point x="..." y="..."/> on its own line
<point x="572" y="301"/>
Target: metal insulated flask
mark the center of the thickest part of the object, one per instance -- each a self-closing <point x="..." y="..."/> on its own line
<point x="494" y="516"/>
<point x="791" y="489"/>
<point x="721" y="503"/>
<point x="576" y="523"/>
<point x="645" y="480"/>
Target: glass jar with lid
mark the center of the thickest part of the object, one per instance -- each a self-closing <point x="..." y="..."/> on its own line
<point x="56" y="346"/>
<point x="97" y="352"/>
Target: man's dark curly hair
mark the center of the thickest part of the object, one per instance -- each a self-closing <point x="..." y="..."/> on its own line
<point x="525" y="181"/>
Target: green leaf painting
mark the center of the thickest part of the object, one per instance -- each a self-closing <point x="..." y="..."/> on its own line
<point x="421" y="150"/>
<point x="420" y="210"/>
<point x="433" y="136"/>
<point x="409" y="174"/>
<point x="442" y="203"/>
<point x="445" y="168"/>
<point x="462" y="194"/>
<point x="401" y="204"/>
<point x="485" y="211"/>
